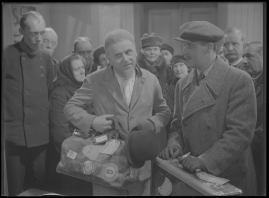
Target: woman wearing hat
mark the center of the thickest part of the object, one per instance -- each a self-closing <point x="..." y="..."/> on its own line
<point x="180" y="70"/>
<point x="167" y="52"/>
<point x="71" y="75"/>
<point x="151" y="58"/>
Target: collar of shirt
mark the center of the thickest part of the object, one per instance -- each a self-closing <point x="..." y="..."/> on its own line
<point x="207" y="70"/>
<point x="237" y="62"/>
<point x="255" y="79"/>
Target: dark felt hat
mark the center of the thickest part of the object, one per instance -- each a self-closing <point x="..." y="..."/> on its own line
<point x="168" y="48"/>
<point x="100" y="50"/>
<point x="143" y="145"/>
<point x="177" y="58"/>
<point x="149" y="40"/>
<point x="200" y="31"/>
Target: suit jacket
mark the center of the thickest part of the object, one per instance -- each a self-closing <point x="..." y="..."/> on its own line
<point x="26" y="106"/>
<point x="218" y="122"/>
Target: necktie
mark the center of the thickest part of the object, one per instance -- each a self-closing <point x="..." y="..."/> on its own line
<point x="200" y="77"/>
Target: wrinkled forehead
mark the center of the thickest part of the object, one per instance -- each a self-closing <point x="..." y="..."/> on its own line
<point x="84" y="46"/>
<point x="50" y="35"/>
<point x="232" y="37"/>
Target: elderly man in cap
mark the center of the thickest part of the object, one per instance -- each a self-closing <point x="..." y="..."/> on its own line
<point x="125" y="91"/>
<point x="215" y="112"/>
<point x="253" y="57"/>
<point x="234" y="42"/>
<point x="83" y="47"/>
<point x="151" y="58"/>
<point x="167" y="52"/>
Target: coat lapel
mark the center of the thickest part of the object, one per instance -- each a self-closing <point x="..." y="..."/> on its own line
<point x="138" y="87"/>
<point x="111" y="83"/>
<point x="206" y="94"/>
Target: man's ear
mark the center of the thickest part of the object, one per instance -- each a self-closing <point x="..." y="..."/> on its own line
<point x="210" y="47"/>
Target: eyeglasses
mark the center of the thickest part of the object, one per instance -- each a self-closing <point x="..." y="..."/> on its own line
<point x="53" y="43"/>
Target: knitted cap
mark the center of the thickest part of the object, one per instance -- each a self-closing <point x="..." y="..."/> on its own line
<point x="149" y="40"/>
<point x="168" y="48"/>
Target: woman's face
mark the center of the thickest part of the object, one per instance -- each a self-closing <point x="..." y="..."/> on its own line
<point x="180" y="70"/>
<point x="152" y="53"/>
<point x="78" y="70"/>
<point x="103" y="61"/>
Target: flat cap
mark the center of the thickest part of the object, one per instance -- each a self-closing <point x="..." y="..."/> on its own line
<point x="200" y="31"/>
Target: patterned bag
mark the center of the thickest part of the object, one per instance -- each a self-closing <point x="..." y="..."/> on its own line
<point x="81" y="158"/>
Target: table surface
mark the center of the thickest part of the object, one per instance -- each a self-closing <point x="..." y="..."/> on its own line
<point x="36" y="192"/>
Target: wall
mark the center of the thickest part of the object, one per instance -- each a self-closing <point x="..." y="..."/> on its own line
<point x="246" y="16"/>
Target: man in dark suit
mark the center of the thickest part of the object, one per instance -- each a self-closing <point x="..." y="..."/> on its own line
<point x="83" y="47"/>
<point x="233" y="44"/>
<point x="253" y="57"/>
<point x="215" y="112"/>
<point x="28" y="72"/>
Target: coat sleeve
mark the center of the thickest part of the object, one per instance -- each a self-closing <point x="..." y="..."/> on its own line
<point x="75" y="109"/>
<point x="59" y="125"/>
<point x="175" y="138"/>
<point x="240" y="121"/>
<point x="160" y="108"/>
<point x="169" y="97"/>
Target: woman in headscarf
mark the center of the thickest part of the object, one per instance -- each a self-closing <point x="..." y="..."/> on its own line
<point x="70" y="77"/>
<point x="180" y="70"/>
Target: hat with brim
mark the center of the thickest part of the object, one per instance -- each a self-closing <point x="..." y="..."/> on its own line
<point x="195" y="31"/>
<point x="143" y="145"/>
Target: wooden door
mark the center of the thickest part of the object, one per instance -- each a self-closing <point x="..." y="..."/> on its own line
<point x="164" y="22"/>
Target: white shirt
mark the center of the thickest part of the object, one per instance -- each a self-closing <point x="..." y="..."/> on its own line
<point x="236" y="62"/>
<point x="126" y="86"/>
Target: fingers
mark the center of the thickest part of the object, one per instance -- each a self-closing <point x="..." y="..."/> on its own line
<point x="108" y="115"/>
<point x="176" y="153"/>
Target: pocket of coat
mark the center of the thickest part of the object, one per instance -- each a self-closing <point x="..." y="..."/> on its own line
<point x="235" y="169"/>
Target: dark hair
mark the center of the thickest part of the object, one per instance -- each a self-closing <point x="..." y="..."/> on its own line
<point x="168" y="48"/>
<point x="100" y="50"/>
<point x="81" y="39"/>
<point x="26" y="15"/>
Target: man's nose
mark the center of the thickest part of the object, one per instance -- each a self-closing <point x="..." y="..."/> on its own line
<point x="39" y="38"/>
<point x="125" y="57"/>
<point x="245" y="60"/>
<point x="230" y="47"/>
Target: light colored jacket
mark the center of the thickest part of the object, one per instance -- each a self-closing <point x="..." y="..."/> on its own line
<point x="218" y="123"/>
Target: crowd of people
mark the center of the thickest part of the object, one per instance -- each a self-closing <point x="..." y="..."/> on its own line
<point x="209" y="102"/>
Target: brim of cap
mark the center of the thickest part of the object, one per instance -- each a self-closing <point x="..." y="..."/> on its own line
<point x="181" y="39"/>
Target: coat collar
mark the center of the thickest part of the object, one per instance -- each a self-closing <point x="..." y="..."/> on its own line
<point x="208" y="91"/>
<point x="110" y="82"/>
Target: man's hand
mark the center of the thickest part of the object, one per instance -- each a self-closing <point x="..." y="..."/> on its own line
<point x="146" y="125"/>
<point x="101" y="124"/>
<point x="192" y="163"/>
<point x="170" y="152"/>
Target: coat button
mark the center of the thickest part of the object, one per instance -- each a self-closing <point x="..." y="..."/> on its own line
<point x="25" y="109"/>
<point x="42" y="93"/>
<point x="41" y="66"/>
<point x="41" y="124"/>
<point x="42" y="109"/>
<point x="26" y="91"/>
<point x="42" y="75"/>
<point x="41" y="59"/>
<point x="23" y="59"/>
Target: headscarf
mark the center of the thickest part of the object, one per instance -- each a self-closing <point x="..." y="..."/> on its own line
<point x="65" y="74"/>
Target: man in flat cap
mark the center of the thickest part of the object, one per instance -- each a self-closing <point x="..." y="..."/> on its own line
<point x="215" y="112"/>
<point x="124" y="90"/>
<point x="151" y="58"/>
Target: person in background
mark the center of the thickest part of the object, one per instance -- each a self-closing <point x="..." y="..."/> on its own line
<point x="99" y="57"/>
<point x="123" y="90"/>
<point x="167" y="52"/>
<point x="71" y="76"/>
<point x="83" y="47"/>
<point x="253" y="57"/>
<point x="152" y="60"/>
<point x="50" y="42"/>
<point x="221" y="54"/>
<point x="215" y="112"/>
<point x="233" y="43"/>
<point x="28" y="73"/>
<point x="180" y="70"/>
